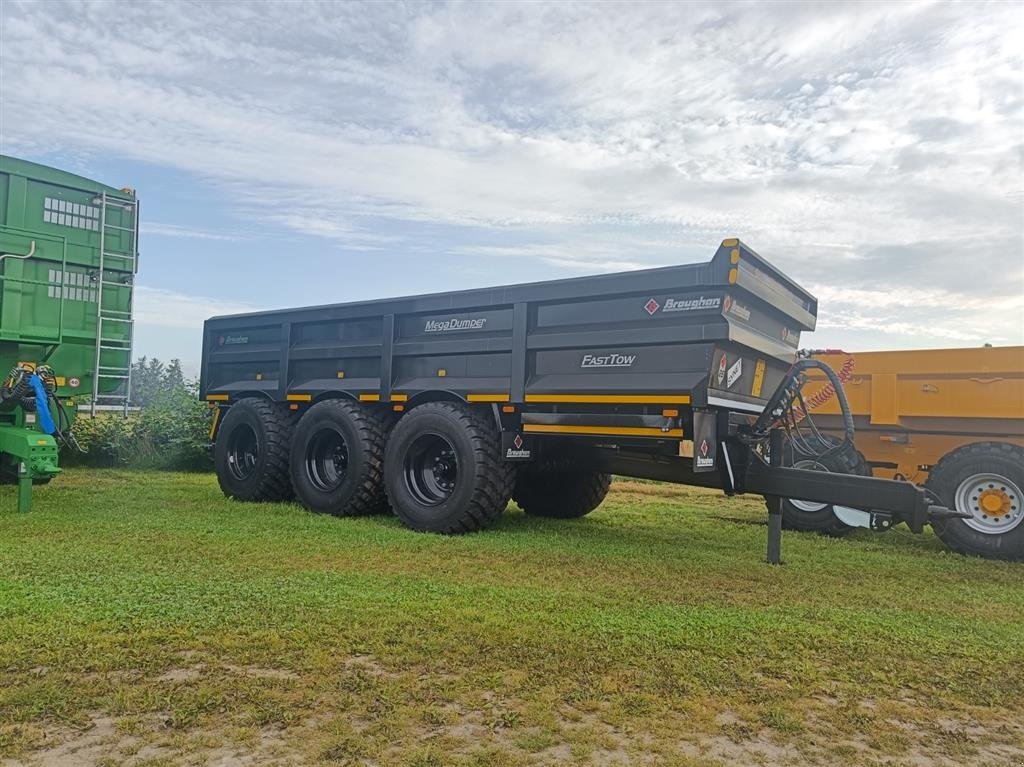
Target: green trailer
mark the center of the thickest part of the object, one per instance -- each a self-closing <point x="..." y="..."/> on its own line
<point x="68" y="259"/>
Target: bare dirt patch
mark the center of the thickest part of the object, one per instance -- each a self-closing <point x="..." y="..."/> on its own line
<point x="104" y="743"/>
<point x="262" y="673"/>
<point x="583" y="738"/>
<point x="181" y="674"/>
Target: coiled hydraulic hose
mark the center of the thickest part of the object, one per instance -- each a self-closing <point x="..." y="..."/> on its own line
<point x="29" y="389"/>
<point x="787" y="408"/>
<point x="16" y="386"/>
<point x="828" y="391"/>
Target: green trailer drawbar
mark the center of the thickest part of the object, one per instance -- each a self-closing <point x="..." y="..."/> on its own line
<point x="68" y="258"/>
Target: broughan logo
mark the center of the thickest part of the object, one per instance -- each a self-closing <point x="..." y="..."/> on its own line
<point x="608" y="360"/>
<point x="704" y="461"/>
<point x="517" y="451"/>
<point x="691" y="304"/>
<point x="445" y="326"/>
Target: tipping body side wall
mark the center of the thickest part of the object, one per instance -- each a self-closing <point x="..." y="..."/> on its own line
<point x="652" y="337"/>
<point x="913" y="407"/>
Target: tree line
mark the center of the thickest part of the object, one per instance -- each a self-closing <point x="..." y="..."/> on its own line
<point x="152" y="381"/>
<point x="170" y="431"/>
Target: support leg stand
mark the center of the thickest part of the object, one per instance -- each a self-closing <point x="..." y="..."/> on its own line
<point x="776" y="447"/>
<point x="24" y="489"/>
<point x="774" y="530"/>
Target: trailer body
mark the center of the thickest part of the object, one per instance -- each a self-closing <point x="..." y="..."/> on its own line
<point x="68" y="256"/>
<point x="922" y="414"/>
<point x="631" y="344"/>
<point x="911" y="408"/>
<point x="656" y="373"/>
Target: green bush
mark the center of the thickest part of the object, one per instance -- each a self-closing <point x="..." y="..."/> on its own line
<point x="105" y="439"/>
<point x="170" y="433"/>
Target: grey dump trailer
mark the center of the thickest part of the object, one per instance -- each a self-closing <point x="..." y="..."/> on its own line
<point x="443" y="407"/>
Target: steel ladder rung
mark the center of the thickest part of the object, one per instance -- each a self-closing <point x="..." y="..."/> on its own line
<point x="120" y="202"/>
<point x="107" y="279"/>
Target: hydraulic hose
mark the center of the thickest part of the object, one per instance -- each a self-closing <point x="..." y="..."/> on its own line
<point x="16" y="386"/>
<point x="828" y="391"/>
<point x="36" y="392"/>
<point x="844" y="406"/>
<point x="42" y="404"/>
<point x="781" y="409"/>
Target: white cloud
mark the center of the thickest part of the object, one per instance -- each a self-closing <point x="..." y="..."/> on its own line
<point x="970" y="317"/>
<point x="590" y="257"/>
<point x="188" y="232"/>
<point x="168" y="308"/>
<point x="863" y="132"/>
<point x="915" y="298"/>
<point x="322" y="224"/>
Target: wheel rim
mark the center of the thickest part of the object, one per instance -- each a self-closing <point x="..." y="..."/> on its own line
<point x="808" y="506"/>
<point x="327" y="460"/>
<point x="993" y="501"/>
<point x="243" y="452"/>
<point x="431" y="469"/>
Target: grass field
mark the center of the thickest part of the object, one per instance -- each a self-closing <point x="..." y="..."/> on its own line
<point x="145" y="619"/>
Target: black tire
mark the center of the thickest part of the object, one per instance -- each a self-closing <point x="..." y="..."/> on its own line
<point x="251" y="454"/>
<point x="337" y="460"/>
<point x="955" y="471"/>
<point x="443" y="470"/>
<point x="804" y="517"/>
<point x="560" y="488"/>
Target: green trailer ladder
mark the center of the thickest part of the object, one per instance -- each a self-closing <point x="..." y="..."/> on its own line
<point x="121" y="375"/>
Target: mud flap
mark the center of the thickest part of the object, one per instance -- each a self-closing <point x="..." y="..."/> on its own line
<point x="705" y="441"/>
<point x="515" y="447"/>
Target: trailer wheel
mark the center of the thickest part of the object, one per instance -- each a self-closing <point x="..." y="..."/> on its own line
<point x="251" y="454"/>
<point x="560" y="488"/>
<point x="813" y="517"/>
<point x="337" y="459"/>
<point x="443" y="470"/>
<point x="986" y="479"/>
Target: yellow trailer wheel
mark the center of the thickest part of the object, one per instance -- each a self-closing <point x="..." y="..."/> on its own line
<point x="987" y="480"/>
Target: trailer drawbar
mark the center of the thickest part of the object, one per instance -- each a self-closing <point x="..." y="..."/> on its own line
<point x="444" y="407"/>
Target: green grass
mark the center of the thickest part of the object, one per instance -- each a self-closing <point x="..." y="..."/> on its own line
<point x="144" y="618"/>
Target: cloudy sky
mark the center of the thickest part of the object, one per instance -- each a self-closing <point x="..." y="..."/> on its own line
<point x="290" y="154"/>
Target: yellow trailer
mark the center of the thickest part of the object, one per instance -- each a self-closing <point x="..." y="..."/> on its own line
<point x="949" y="419"/>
